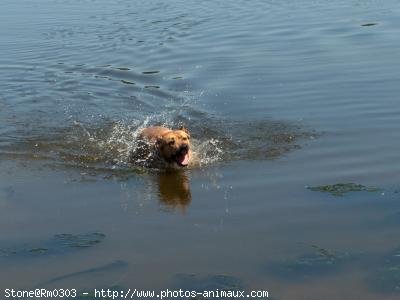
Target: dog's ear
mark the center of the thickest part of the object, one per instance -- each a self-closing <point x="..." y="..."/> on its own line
<point x="183" y="128"/>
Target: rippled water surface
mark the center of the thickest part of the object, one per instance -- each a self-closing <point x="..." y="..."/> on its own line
<point x="293" y="107"/>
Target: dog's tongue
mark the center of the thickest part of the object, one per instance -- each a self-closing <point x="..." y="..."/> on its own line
<point x="183" y="159"/>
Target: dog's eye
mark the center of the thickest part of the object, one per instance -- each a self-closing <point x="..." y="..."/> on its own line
<point x="171" y="142"/>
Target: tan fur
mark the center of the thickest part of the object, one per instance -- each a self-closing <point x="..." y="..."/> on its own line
<point x="168" y="143"/>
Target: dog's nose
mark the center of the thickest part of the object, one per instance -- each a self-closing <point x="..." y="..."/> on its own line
<point x="184" y="148"/>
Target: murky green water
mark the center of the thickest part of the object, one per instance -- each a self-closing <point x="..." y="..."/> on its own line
<point x="293" y="108"/>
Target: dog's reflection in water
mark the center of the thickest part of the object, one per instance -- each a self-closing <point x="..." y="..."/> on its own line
<point x="174" y="189"/>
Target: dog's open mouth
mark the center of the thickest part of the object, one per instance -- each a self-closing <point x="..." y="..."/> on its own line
<point x="182" y="158"/>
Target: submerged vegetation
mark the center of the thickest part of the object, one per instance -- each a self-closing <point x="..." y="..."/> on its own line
<point x="340" y="189"/>
<point x="320" y="261"/>
<point x="80" y="240"/>
<point x="58" y="243"/>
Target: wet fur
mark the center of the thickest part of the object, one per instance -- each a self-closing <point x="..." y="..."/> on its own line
<point x="166" y="144"/>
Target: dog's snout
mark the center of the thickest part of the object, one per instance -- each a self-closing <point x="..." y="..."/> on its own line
<point x="184" y="148"/>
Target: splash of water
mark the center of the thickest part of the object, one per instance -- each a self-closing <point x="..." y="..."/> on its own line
<point x="110" y="146"/>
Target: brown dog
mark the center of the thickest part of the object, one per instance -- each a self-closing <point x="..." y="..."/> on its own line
<point x="173" y="146"/>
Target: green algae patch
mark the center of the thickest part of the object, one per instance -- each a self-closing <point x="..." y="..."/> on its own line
<point x="326" y="253"/>
<point x="80" y="240"/>
<point x="313" y="264"/>
<point x="340" y="189"/>
<point x="4" y="252"/>
<point x="38" y="250"/>
<point x="60" y="243"/>
<point x="22" y="251"/>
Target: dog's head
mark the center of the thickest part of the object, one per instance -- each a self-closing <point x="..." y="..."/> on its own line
<point x="174" y="146"/>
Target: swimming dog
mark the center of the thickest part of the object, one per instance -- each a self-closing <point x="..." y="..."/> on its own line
<point x="171" y="146"/>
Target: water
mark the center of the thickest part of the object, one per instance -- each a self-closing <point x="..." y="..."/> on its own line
<point x="278" y="95"/>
